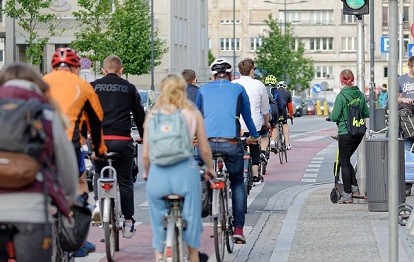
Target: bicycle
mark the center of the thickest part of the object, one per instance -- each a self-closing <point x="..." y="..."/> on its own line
<point x="247" y="169"/>
<point x="221" y="211"/>
<point x="281" y="143"/>
<point x="109" y="198"/>
<point x="175" y="249"/>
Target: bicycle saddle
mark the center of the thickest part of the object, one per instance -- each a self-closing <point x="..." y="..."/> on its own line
<point x="113" y="155"/>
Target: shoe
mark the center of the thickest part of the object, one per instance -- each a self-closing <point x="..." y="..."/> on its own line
<point x="203" y="257"/>
<point x="346" y="199"/>
<point x="263" y="157"/>
<point x="272" y="145"/>
<point x="238" y="235"/>
<point x="289" y="147"/>
<point x="355" y="191"/>
<point x="81" y="252"/>
<point x="90" y="247"/>
<point x="257" y="180"/>
<point x="128" y="229"/>
<point x="96" y="215"/>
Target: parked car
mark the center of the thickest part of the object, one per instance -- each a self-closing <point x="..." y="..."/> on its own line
<point x="310" y="106"/>
<point x="299" y="106"/>
<point x="148" y="98"/>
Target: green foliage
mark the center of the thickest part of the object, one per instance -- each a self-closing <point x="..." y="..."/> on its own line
<point x="29" y="16"/>
<point x="275" y="56"/>
<point x="211" y="57"/>
<point x="123" y="31"/>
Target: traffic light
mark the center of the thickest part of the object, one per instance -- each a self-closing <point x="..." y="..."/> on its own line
<point x="356" y="7"/>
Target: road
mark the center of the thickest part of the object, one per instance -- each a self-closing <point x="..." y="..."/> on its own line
<point x="312" y="146"/>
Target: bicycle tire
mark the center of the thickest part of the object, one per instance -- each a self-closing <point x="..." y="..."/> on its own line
<point x="110" y="230"/>
<point x="285" y="152"/>
<point x="229" y="223"/>
<point x="280" y="147"/>
<point x="219" y="224"/>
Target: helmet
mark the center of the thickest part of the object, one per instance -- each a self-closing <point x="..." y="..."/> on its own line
<point x="220" y="65"/>
<point x="270" y="80"/>
<point x="65" y="56"/>
<point x="281" y="84"/>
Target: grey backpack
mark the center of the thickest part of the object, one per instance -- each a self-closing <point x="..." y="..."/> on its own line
<point x="168" y="139"/>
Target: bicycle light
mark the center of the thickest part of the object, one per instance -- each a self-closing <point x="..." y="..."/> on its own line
<point x="218" y="185"/>
<point x="106" y="186"/>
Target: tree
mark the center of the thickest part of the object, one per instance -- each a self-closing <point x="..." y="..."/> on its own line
<point x="277" y="57"/>
<point x="130" y="30"/>
<point x="93" y="38"/>
<point x="29" y="16"/>
<point x="211" y="57"/>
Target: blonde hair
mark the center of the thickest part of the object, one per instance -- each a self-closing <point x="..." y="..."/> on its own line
<point x="173" y="93"/>
<point x="113" y="63"/>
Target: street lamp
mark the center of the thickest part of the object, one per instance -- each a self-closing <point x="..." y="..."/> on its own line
<point x="284" y="3"/>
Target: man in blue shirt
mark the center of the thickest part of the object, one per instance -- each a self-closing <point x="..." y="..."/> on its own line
<point x="221" y="104"/>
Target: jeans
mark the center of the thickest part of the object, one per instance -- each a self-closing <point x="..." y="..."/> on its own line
<point x="233" y="159"/>
<point x="123" y="168"/>
<point x="347" y="146"/>
<point x="28" y="243"/>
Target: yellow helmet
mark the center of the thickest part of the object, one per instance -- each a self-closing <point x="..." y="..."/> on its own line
<point x="270" y="80"/>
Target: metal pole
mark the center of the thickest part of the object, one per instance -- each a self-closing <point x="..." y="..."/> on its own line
<point x="371" y="64"/>
<point x="152" y="45"/>
<point x="234" y="38"/>
<point x="284" y="23"/>
<point x="401" y="38"/>
<point x="393" y="152"/>
<point x="14" y="41"/>
<point x="361" y="83"/>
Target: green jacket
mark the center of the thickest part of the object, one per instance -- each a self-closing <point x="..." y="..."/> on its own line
<point x="340" y="110"/>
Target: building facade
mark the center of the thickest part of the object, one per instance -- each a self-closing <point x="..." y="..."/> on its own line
<point x="330" y="37"/>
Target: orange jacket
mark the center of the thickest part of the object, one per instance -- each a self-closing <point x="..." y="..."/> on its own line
<point x="78" y="100"/>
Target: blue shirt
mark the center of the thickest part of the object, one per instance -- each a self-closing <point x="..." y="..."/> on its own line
<point x="221" y="103"/>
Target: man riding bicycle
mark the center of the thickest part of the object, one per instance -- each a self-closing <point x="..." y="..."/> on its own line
<point x="221" y="104"/>
<point x="287" y="97"/>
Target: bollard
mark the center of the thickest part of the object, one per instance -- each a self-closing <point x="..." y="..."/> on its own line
<point x="325" y="108"/>
<point x="318" y="108"/>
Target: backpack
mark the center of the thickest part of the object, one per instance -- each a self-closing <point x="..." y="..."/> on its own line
<point x="383" y="100"/>
<point x="406" y="118"/>
<point x="355" y="122"/>
<point x="22" y="140"/>
<point x="168" y="138"/>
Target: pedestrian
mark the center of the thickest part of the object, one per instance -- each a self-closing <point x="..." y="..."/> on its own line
<point x="181" y="178"/>
<point x="191" y="79"/>
<point x="406" y="87"/>
<point x="77" y="99"/>
<point x="119" y="98"/>
<point x="259" y="108"/>
<point x="383" y="97"/>
<point x="221" y="104"/>
<point x="24" y="209"/>
<point x="347" y="143"/>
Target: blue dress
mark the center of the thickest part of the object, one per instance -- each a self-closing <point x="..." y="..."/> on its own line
<point x="182" y="179"/>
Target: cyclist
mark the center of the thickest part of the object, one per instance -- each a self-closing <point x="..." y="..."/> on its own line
<point x="259" y="107"/>
<point x="191" y="79"/>
<point x="277" y="107"/>
<point x="77" y="99"/>
<point x="119" y="98"/>
<point x="181" y="178"/>
<point x="287" y="97"/>
<point x="221" y="104"/>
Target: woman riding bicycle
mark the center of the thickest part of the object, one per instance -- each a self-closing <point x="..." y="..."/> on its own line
<point x="181" y="178"/>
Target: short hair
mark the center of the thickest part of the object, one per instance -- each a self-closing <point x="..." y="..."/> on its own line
<point x="113" y="63"/>
<point x="245" y="66"/>
<point x="189" y="75"/>
<point x="411" y="61"/>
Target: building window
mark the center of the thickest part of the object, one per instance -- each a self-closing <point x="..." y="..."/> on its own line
<point x="228" y="21"/>
<point x="322" y="17"/>
<point x="321" y="44"/>
<point x="322" y="72"/>
<point x="1" y="55"/>
<point x="292" y="16"/>
<point x="349" y="19"/>
<point x="385" y="71"/>
<point x="349" y="44"/>
<point x="255" y="42"/>
<point x="226" y="44"/>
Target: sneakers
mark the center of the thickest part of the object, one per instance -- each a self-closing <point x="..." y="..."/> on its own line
<point x="346" y="198"/>
<point x="263" y="157"/>
<point x="238" y="236"/>
<point x="355" y="191"/>
<point x="96" y="215"/>
<point x="272" y="145"/>
<point x="289" y="147"/>
<point x="128" y="229"/>
<point x="257" y="180"/>
<point x="85" y="249"/>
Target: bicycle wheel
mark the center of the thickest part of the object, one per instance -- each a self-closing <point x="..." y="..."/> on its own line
<point x="171" y="252"/>
<point x="285" y="150"/>
<point x="220" y="230"/>
<point x="262" y="168"/>
<point x="110" y="229"/>
<point x="281" y="147"/>
<point x="229" y="223"/>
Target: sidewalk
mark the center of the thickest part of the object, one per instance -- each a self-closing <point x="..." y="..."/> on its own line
<point x="314" y="229"/>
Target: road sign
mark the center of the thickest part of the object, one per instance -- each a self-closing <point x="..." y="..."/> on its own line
<point x="410" y="48"/>
<point x="385" y="44"/>
<point x="85" y="63"/>
<point x="324" y="85"/>
<point x="316" y="88"/>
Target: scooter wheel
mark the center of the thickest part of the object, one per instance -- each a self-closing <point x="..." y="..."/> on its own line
<point x="334" y="196"/>
<point x="404" y="212"/>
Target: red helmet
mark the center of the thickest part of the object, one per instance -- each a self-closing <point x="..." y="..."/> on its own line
<point x="66" y="56"/>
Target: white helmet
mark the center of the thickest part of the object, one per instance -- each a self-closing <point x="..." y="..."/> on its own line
<point x="220" y="65"/>
<point x="281" y="84"/>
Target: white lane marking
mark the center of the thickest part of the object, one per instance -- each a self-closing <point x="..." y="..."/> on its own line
<point x="318" y="158"/>
<point x="310" y="138"/>
<point x="253" y="193"/>
<point x="312" y="170"/>
<point x="310" y="175"/>
<point x="144" y="204"/>
<point x="314" y="165"/>
<point x="316" y="162"/>
<point x="308" y="180"/>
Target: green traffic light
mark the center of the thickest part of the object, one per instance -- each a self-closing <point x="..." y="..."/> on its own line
<point x="355" y="4"/>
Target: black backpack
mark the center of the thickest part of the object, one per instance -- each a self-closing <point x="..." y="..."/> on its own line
<point x="355" y="123"/>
